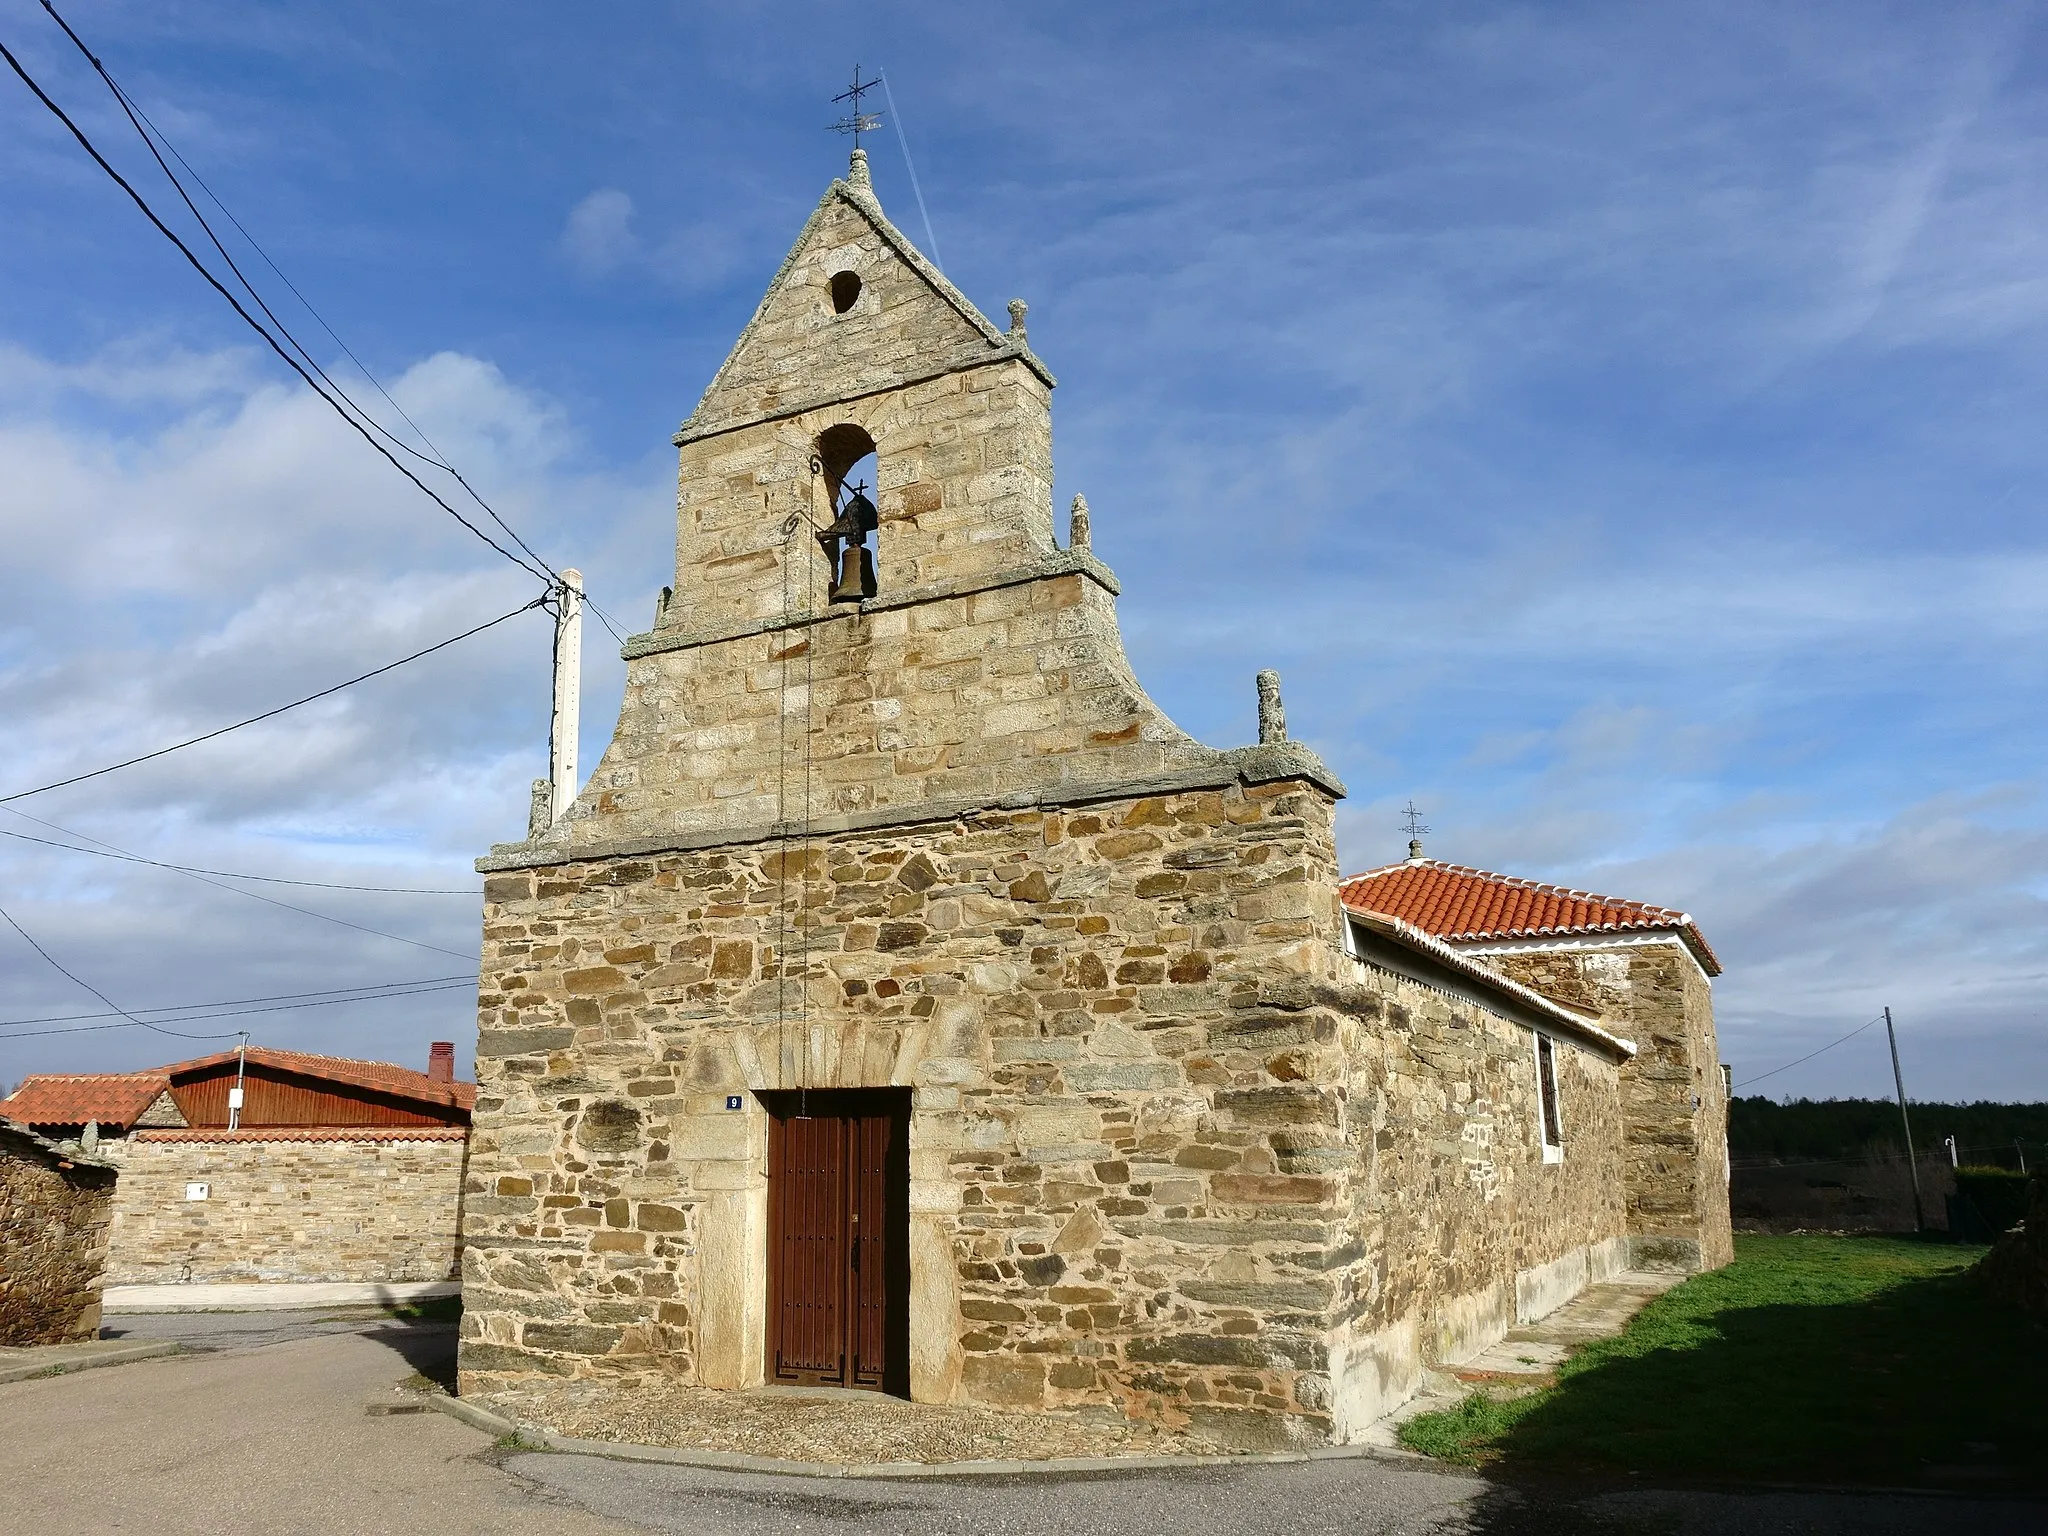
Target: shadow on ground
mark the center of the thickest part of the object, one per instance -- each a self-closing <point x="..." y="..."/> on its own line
<point x="1928" y="1383"/>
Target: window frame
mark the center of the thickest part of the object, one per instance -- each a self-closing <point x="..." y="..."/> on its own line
<point x="1549" y="1101"/>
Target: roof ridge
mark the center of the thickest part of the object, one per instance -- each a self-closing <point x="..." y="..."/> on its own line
<point x="1519" y="882"/>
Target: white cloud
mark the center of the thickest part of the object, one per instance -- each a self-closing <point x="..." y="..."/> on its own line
<point x="598" y="238"/>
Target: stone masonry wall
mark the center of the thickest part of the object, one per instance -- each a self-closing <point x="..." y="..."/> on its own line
<point x="1454" y="1199"/>
<point x="1675" y="1103"/>
<point x="53" y="1243"/>
<point x="1135" y="1140"/>
<point x="362" y="1209"/>
<point x="1046" y="982"/>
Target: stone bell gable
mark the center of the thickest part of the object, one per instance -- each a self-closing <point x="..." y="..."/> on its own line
<point x="985" y="668"/>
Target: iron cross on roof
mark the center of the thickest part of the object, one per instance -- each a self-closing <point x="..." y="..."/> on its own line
<point x="857" y="122"/>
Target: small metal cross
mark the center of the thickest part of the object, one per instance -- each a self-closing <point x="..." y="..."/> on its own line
<point x="1411" y="821"/>
<point x="857" y="122"/>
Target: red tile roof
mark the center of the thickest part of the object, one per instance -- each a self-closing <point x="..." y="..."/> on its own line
<point x="381" y="1076"/>
<point x="313" y="1133"/>
<point x="1462" y="905"/>
<point x="112" y="1098"/>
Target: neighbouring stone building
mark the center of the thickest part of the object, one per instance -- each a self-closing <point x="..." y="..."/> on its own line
<point x="1647" y="973"/>
<point x="55" y="1207"/>
<point x="906" y="1002"/>
<point x="329" y="1170"/>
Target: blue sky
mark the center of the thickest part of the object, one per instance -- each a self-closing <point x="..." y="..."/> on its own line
<point x="1619" y="424"/>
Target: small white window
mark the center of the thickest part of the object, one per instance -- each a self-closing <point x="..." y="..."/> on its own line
<point x="198" y="1191"/>
<point x="1546" y="1098"/>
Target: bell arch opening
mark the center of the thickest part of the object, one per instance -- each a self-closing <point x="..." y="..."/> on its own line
<point x="846" y="458"/>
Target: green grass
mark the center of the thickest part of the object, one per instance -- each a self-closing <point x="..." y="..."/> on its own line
<point x="1809" y="1359"/>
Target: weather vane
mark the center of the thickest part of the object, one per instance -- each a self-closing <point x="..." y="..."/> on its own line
<point x="1411" y="821"/>
<point x="857" y="122"/>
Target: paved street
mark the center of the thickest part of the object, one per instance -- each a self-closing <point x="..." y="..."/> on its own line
<point x="265" y="1431"/>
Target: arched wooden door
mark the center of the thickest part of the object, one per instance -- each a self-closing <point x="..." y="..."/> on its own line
<point x="839" y="1238"/>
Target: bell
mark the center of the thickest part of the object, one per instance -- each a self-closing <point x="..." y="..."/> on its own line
<point x="860" y="512"/>
<point x="856" y="575"/>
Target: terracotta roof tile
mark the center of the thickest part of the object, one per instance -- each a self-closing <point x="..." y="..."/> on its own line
<point x="112" y="1098"/>
<point x="382" y="1076"/>
<point x="314" y="1133"/>
<point x="1463" y="905"/>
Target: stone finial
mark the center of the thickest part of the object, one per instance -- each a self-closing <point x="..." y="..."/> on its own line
<point x="661" y="606"/>
<point x="540" y="810"/>
<point x="857" y="171"/>
<point x="1272" y="713"/>
<point x="1077" y="524"/>
<point x="89" y="1138"/>
<point x="1414" y="849"/>
<point x="1018" y="309"/>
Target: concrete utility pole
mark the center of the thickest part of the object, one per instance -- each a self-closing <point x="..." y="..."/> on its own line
<point x="1912" y="1163"/>
<point x="568" y="694"/>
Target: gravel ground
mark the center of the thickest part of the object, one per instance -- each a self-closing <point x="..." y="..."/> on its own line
<point x="842" y="1428"/>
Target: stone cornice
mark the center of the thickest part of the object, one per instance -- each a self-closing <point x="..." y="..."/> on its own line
<point x="1061" y="562"/>
<point x="1267" y="764"/>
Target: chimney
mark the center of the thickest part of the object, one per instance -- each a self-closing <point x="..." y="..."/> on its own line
<point x="441" y="1061"/>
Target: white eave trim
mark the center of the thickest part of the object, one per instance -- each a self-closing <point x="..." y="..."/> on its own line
<point x="1566" y="1022"/>
<point x="1589" y="939"/>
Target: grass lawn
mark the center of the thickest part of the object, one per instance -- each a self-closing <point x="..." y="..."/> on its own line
<point x="1809" y="1359"/>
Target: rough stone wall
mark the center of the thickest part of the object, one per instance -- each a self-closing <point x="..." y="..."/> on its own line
<point x="1054" y="986"/>
<point x="53" y="1243"/>
<point x="1021" y="689"/>
<point x="365" y="1210"/>
<point x="1675" y="1102"/>
<point x="1137" y="1139"/>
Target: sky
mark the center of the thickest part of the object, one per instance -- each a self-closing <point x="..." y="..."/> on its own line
<point x="1619" y="424"/>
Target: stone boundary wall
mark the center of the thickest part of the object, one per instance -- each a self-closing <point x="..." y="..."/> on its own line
<point x="54" y="1214"/>
<point x="377" y="1207"/>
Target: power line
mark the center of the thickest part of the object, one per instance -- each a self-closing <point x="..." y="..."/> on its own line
<point x="96" y="992"/>
<point x="252" y="895"/>
<point x="79" y="778"/>
<point x="1747" y="1081"/>
<point x="236" y="1013"/>
<point x="541" y="570"/>
<point x="193" y="869"/>
<point x="425" y="983"/>
<point x="896" y="120"/>
<point x="151" y="136"/>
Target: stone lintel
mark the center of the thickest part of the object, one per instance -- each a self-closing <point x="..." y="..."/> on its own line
<point x="1228" y="771"/>
<point x="1061" y="562"/>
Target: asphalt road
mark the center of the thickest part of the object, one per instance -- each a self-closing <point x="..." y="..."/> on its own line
<point x="263" y="1429"/>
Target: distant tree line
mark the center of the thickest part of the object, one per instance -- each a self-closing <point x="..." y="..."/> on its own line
<point x="1853" y="1129"/>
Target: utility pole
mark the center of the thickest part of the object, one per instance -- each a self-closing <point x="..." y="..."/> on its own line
<point x="241" y="1075"/>
<point x="1912" y="1163"/>
<point x="568" y="694"/>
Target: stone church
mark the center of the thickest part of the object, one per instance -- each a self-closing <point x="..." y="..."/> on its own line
<point x="906" y="1003"/>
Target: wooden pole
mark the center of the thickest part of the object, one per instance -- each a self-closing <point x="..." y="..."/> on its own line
<point x="1912" y="1163"/>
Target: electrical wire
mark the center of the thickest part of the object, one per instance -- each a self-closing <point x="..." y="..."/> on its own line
<point x="236" y="1013"/>
<point x="896" y="122"/>
<point x="132" y="1021"/>
<point x="231" y="874"/>
<point x="540" y="571"/>
<point x="367" y="994"/>
<point x="152" y="136"/>
<point x="79" y="778"/>
<point x="1747" y="1081"/>
<point x="252" y="895"/>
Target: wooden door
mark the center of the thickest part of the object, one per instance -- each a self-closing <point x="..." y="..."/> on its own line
<point x="838" y="1212"/>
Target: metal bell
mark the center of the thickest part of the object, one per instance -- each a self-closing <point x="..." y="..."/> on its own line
<point x="856" y="575"/>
